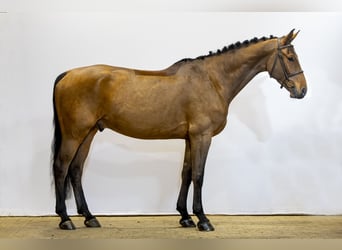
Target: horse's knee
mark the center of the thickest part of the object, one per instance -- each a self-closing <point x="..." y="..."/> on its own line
<point x="197" y="179"/>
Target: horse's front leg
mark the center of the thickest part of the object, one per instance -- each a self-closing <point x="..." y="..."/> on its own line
<point x="199" y="147"/>
<point x="186" y="220"/>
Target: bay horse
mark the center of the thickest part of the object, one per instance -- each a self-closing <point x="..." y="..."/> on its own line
<point x="188" y="100"/>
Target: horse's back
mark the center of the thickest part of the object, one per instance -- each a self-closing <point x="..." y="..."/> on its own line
<point x="143" y="104"/>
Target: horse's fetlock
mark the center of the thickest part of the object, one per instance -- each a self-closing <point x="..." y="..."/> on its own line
<point x="181" y="209"/>
<point x="198" y="211"/>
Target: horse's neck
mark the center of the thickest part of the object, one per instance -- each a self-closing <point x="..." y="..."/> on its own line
<point x="240" y="66"/>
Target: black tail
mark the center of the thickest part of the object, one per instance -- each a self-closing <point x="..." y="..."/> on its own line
<point x="57" y="138"/>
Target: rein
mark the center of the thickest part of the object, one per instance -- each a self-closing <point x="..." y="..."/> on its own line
<point x="280" y="57"/>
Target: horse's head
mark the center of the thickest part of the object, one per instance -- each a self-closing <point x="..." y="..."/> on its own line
<point x="284" y="66"/>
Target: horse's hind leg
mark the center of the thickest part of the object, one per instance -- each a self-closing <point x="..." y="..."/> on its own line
<point x="75" y="172"/>
<point x="186" y="220"/>
<point x="60" y="170"/>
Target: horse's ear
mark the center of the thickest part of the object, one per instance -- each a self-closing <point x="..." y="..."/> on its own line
<point x="290" y="37"/>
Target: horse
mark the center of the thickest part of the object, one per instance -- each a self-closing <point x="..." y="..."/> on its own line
<point x="188" y="100"/>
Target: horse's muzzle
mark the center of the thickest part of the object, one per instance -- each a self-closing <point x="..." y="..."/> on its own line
<point x="298" y="94"/>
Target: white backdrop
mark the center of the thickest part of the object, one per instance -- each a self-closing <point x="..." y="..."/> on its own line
<point x="276" y="155"/>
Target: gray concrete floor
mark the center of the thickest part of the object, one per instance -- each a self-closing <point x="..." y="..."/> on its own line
<point x="167" y="227"/>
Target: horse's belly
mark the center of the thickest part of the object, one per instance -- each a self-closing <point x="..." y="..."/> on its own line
<point x="147" y="126"/>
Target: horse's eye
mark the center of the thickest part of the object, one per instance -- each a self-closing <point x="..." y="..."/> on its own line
<point x="291" y="58"/>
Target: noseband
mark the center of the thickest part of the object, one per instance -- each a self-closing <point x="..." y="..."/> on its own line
<point x="280" y="57"/>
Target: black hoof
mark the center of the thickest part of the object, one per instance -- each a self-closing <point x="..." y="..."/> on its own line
<point x="187" y="222"/>
<point x="93" y="222"/>
<point x="205" y="226"/>
<point x="67" y="225"/>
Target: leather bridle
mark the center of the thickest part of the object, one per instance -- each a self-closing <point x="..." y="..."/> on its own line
<point x="280" y="57"/>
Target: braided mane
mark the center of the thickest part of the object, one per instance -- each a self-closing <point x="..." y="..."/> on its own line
<point x="225" y="49"/>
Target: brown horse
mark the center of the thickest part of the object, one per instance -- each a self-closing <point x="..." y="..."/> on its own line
<point x="189" y="100"/>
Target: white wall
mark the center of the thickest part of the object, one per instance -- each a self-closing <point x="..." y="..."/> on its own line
<point x="174" y="5"/>
<point x="276" y="155"/>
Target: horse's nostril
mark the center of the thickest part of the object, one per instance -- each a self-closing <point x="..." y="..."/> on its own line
<point x="304" y="91"/>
